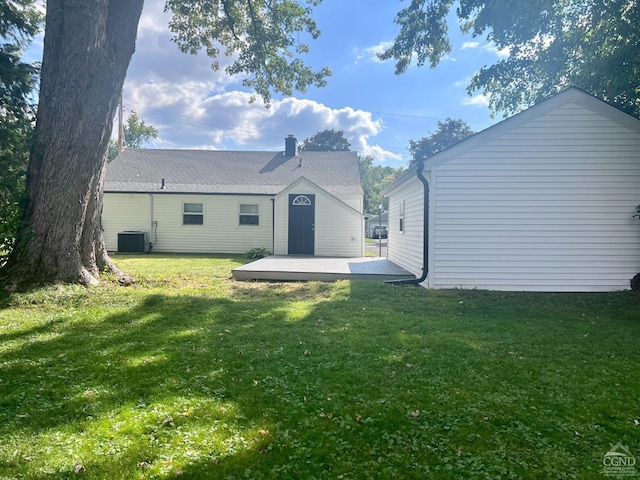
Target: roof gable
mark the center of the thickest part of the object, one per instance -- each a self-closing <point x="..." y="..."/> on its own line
<point x="571" y="95"/>
<point x="306" y="182"/>
<point x="234" y="172"/>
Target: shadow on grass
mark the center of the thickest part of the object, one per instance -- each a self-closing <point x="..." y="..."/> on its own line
<point x="300" y="380"/>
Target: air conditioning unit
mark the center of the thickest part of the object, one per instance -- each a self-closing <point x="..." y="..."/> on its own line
<point x="132" y="242"/>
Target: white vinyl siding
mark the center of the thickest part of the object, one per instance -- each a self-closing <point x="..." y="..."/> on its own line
<point x="338" y="230"/>
<point x="219" y="233"/>
<point x="124" y="212"/>
<point x="338" y="227"/>
<point x="405" y="248"/>
<point x="546" y="206"/>
<point x="354" y="201"/>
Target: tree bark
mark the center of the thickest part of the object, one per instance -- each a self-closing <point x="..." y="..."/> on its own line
<point x="88" y="45"/>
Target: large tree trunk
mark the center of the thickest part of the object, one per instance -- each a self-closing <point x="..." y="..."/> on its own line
<point x="87" y="48"/>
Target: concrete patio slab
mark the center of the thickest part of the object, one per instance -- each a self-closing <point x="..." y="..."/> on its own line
<point x="283" y="268"/>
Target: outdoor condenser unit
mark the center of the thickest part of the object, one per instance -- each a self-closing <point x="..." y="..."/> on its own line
<point x="132" y="242"/>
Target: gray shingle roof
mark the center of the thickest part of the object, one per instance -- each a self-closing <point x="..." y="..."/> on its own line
<point x="214" y="171"/>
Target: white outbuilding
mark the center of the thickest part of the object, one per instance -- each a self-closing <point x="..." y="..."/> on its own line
<point x="542" y="201"/>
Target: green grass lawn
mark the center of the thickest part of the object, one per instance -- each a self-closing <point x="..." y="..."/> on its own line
<point x="192" y="375"/>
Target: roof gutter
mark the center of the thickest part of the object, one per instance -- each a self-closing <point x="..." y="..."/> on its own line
<point x="425" y="232"/>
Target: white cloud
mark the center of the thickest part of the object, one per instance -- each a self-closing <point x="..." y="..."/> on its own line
<point x="370" y="54"/>
<point x="470" y="45"/>
<point x="479" y="100"/>
<point x="187" y="115"/>
<point x="487" y="47"/>
<point x="500" y="53"/>
<point x="153" y="20"/>
<point x="194" y="107"/>
<point x="462" y="83"/>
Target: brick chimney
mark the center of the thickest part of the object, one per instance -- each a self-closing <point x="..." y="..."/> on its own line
<point x="290" y="146"/>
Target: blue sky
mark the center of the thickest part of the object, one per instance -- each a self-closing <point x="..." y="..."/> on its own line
<point x="194" y="107"/>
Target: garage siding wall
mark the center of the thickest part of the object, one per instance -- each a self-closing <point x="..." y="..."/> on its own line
<point x="546" y="206"/>
<point x="405" y="248"/>
<point x="220" y="233"/>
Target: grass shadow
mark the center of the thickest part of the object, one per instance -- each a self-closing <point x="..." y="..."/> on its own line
<point x="297" y="380"/>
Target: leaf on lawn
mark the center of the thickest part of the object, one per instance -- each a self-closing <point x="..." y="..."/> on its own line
<point x="415" y="414"/>
<point x="262" y="431"/>
<point x="307" y="352"/>
<point x="358" y="418"/>
<point x="167" y="421"/>
<point x="459" y="452"/>
<point x="636" y="422"/>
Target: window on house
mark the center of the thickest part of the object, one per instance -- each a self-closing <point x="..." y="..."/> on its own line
<point x="249" y="215"/>
<point x="401" y="217"/>
<point x="192" y="214"/>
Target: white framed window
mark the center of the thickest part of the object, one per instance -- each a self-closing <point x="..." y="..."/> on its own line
<point x="249" y="214"/>
<point x="192" y="214"/>
<point x="401" y="217"/>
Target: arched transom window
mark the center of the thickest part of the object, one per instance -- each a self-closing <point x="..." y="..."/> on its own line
<point x="301" y="200"/>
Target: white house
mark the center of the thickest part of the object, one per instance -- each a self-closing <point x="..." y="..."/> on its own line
<point x="542" y="201"/>
<point x="182" y="201"/>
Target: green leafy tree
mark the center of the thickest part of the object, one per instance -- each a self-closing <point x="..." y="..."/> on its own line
<point x="88" y="45"/>
<point x="374" y="179"/>
<point x="19" y="22"/>
<point x="136" y="134"/>
<point x="326" y="141"/>
<point x="449" y="133"/>
<point x="552" y="44"/>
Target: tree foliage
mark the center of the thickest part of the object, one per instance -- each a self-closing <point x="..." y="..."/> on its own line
<point x="448" y="133"/>
<point x="265" y="39"/>
<point x="19" y="22"/>
<point x="136" y="134"/>
<point x="552" y="44"/>
<point x="374" y="179"/>
<point x="326" y="141"/>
